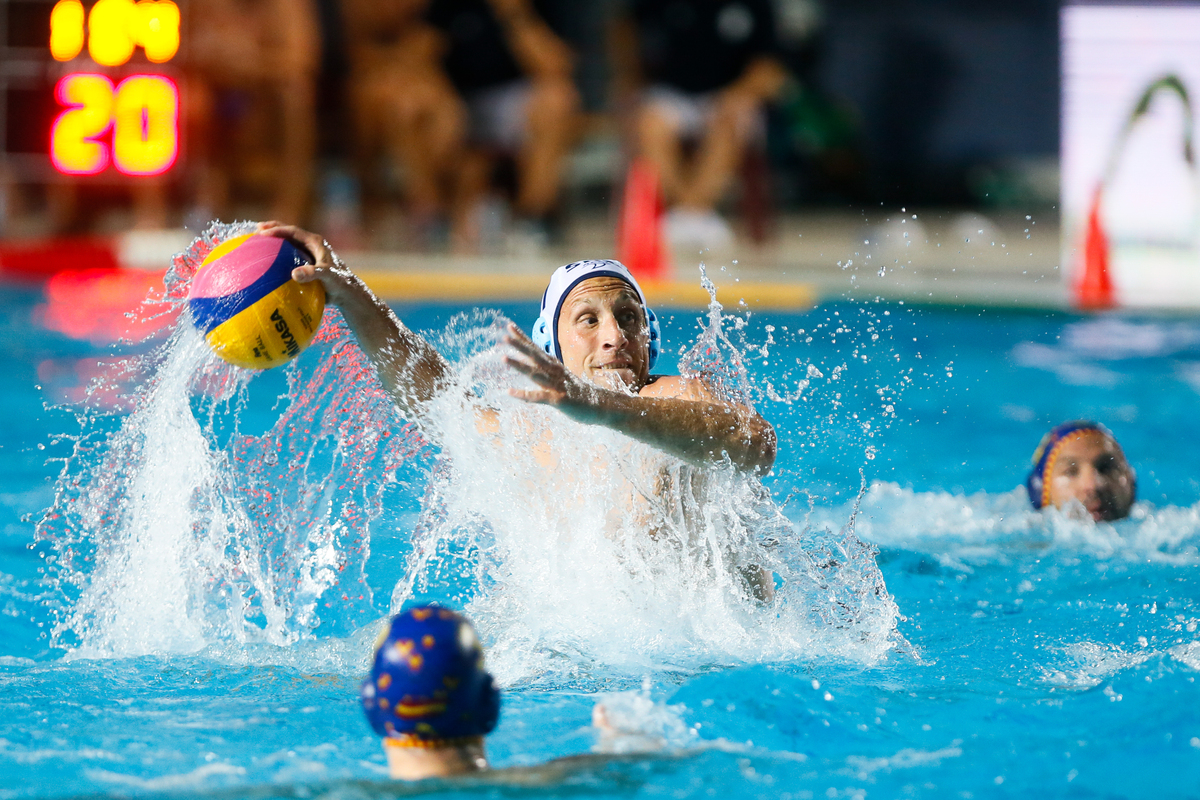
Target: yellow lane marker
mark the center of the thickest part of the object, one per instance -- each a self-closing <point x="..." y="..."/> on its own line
<point x="466" y="287"/>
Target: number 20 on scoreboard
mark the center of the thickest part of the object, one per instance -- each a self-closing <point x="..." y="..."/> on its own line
<point x="132" y="124"/>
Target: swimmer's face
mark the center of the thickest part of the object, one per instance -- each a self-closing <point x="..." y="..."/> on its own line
<point x="1090" y="467"/>
<point x="603" y="336"/>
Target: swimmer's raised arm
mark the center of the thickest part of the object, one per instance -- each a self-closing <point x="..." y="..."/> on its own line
<point x="681" y="417"/>
<point x="410" y="368"/>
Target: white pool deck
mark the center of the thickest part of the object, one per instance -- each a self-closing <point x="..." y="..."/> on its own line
<point x="947" y="258"/>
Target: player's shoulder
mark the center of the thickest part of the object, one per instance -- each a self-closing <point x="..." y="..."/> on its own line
<point x="676" y="386"/>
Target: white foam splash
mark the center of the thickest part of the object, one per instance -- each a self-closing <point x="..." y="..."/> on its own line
<point x="966" y="531"/>
<point x="169" y="536"/>
<point x="1187" y="654"/>
<point x="633" y="722"/>
<point x="907" y="758"/>
<point x="195" y="779"/>
<point x="24" y="754"/>
<point x="140" y="596"/>
<point x="1088" y="664"/>
<point x="571" y="546"/>
<point x="587" y="547"/>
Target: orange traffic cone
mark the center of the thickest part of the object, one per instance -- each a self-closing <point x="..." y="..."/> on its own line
<point x="1094" y="288"/>
<point x="639" y="232"/>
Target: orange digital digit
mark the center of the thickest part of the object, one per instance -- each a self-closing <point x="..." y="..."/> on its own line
<point x="66" y="29"/>
<point x="89" y="101"/>
<point x="145" y="125"/>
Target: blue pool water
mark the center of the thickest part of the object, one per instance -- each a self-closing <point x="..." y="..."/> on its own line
<point x="193" y="613"/>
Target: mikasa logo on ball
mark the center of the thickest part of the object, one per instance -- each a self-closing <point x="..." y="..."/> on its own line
<point x="285" y="333"/>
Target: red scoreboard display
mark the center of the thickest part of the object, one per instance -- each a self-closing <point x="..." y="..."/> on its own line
<point x="90" y="88"/>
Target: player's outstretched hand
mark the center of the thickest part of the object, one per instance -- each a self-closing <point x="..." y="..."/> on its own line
<point x="557" y="386"/>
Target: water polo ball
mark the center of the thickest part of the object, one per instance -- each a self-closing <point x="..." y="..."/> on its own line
<point x="244" y="301"/>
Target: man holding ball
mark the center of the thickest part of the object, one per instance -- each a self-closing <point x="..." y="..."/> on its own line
<point x="594" y="366"/>
<point x="594" y="345"/>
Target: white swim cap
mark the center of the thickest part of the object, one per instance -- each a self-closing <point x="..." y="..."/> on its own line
<point x="566" y="278"/>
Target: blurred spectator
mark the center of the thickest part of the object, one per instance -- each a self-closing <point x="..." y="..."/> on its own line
<point x="705" y="69"/>
<point x="450" y="85"/>
<point x="815" y="138"/>
<point x="404" y="106"/>
<point x="252" y="68"/>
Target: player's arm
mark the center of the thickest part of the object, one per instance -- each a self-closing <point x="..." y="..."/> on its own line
<point x="411" y="370"/>
<point x="685" y="419"/>
<point x="537" y="49"/>
<point x="761" y="81"/>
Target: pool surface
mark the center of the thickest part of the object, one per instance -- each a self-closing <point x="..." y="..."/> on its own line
<point x="193" y="563"/>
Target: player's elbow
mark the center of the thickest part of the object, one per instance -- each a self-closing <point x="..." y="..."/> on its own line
<point x="762" y="445"/>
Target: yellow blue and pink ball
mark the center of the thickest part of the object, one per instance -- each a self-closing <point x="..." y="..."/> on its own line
<point x="250" y="310"/>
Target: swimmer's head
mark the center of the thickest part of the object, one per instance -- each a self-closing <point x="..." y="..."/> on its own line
<point x="595" y="320"/>
<point x="428" y="687"/>
<point x="1081" y="460"/>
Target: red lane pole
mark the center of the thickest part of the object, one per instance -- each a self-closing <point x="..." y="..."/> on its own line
<point x="640" y="244"/>
<point x="1094" y="287"/>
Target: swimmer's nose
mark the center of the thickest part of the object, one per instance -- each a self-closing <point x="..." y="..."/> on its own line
<point x="1089" y="483"/>
<point x="613" y="336"/>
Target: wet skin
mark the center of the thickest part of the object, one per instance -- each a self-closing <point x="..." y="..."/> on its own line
<point x="604" y="379"/>
<point x="1090" y="467"/>
<point x="603" y="335"/>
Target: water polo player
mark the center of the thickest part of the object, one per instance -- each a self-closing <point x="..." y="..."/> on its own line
<point x="1080" y="461"/>
<point x="433" y="702"/>
<point x="596" y="343"/>
<point x="429" y="696"/>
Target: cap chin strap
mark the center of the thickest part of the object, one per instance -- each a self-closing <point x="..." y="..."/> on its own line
<point x="542" y="337"/>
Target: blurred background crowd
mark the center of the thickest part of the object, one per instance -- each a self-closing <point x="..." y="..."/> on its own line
<point x="486" y="125"/>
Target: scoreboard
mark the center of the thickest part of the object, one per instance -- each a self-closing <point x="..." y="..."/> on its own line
<point x="90" y="88"/>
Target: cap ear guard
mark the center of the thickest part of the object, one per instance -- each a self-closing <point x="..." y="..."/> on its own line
<point x="655" y="337"/>
<point x="542" y="338"/>
<point x="541" y="335"/>
<point x="1033" y="485"/>
<point x="488" y="705"/>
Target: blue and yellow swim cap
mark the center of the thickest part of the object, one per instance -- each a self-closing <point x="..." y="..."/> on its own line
<point x="428" y="686"/>
<point x="1043" y="457"/>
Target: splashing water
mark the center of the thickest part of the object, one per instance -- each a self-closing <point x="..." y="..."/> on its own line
<point x="967" y="531"/>
<point x="587" y="547"/>
<point x="173" y="530"/>
<point x="633" y="722"/>
<point x="169" y="535"/>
